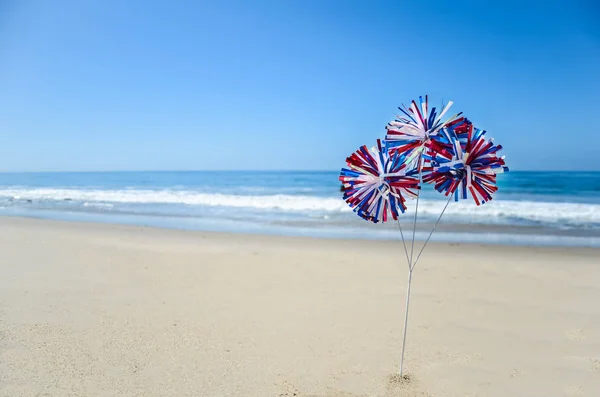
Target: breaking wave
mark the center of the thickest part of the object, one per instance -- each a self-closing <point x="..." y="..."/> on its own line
<point x="499" y="211"/>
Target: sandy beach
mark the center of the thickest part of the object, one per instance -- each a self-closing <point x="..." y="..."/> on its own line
<point x="108" y="310"/>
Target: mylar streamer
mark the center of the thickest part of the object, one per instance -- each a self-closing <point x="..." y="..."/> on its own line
<point x="376" y="183"/>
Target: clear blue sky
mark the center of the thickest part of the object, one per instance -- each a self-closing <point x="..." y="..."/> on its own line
<point x="152" y="85"/>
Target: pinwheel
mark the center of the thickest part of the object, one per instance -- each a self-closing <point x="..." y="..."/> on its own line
<point x="375" y="184"/>
<point x="408" y="135"/>
<point x="465" y="165"/>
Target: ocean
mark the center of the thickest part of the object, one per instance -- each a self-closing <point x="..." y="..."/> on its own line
<point x="531" y="208"/>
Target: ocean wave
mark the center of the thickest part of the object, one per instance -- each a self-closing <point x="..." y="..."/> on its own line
<point x="497" y="211"/>
<point x="277" y="202"/>
<point x="512" y="211"/>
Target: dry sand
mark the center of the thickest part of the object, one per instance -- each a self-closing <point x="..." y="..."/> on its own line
<point x="105" y="310"/>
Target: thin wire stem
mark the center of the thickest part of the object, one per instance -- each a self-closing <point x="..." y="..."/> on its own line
<point x="405" y="321"/>
<point x="403" y="242"/>
<point x="431" y="233"/>
<point x="410" y="269"/>
<point x="412" y="248"/>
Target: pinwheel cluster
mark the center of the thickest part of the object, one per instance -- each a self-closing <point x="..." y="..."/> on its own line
<point x="421" y="146"/>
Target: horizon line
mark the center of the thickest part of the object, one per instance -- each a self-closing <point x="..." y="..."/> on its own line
<point x="229" y="171"/>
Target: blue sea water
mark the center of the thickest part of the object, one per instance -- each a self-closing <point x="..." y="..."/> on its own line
<point x="557" y="208"/>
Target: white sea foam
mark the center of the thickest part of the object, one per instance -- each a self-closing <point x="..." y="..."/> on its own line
<point x="275" y="202"/>
<point x="98" y="205"/>
<point x="509" y="211"/>
<point x="568" y="214"/>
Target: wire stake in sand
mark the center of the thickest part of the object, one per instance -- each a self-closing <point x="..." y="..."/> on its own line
<point x="405" y="320"/>
<point x="411" y="267"/>
<point x="420" y="146"/>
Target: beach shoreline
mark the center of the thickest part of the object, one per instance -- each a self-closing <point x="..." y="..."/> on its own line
<point x="353" y="229"/>
<point x="102" y="309"/>
<point x="531" y="208"/>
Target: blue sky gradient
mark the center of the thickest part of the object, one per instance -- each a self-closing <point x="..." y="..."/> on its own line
<point x="190" y="85"/>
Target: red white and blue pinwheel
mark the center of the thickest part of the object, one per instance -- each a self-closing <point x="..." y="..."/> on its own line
<point x="375" y="184"/>
<point x="409" y="135"/>
<point x="465" y="163"/>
